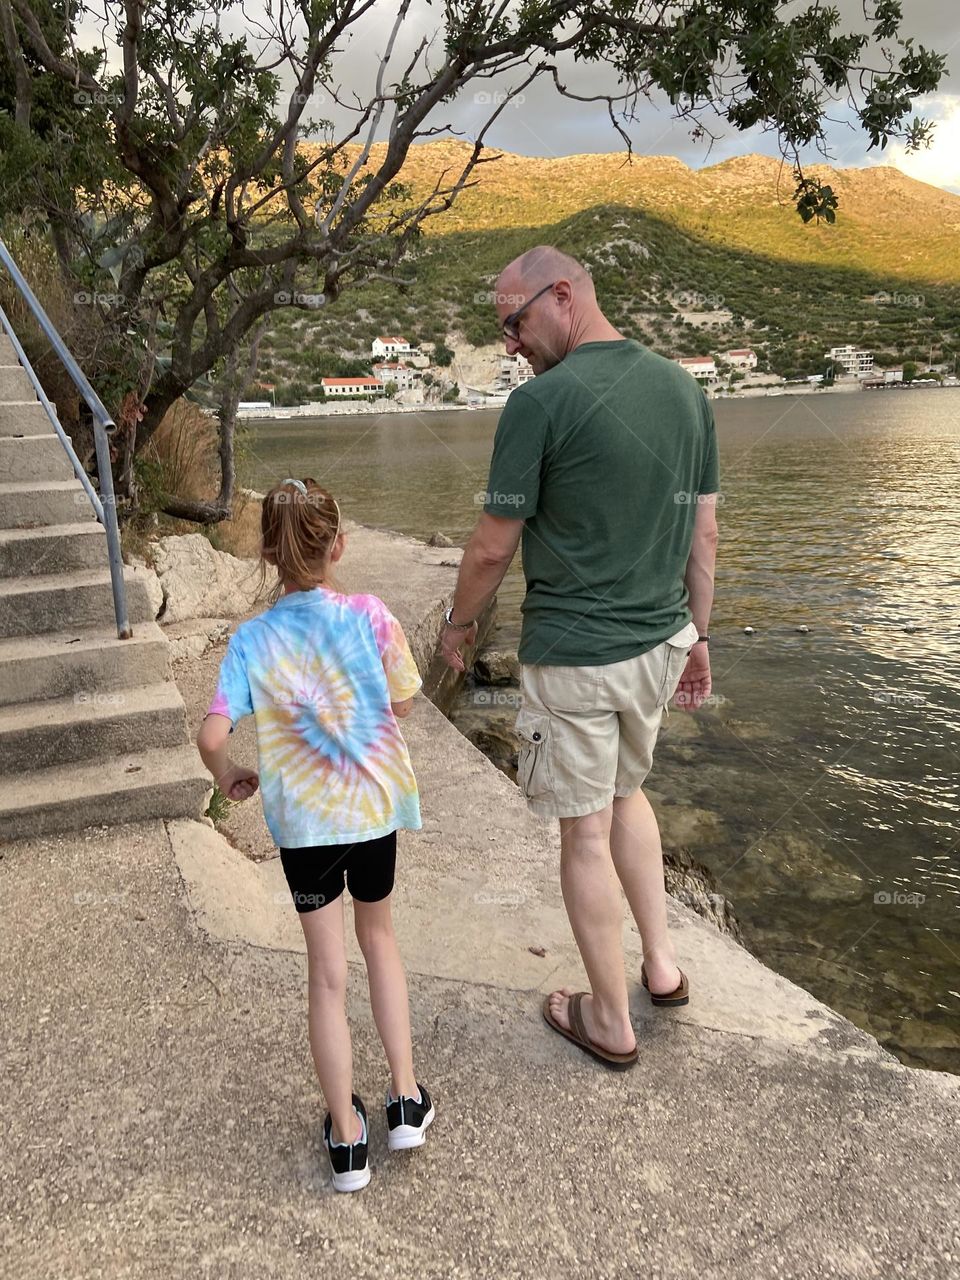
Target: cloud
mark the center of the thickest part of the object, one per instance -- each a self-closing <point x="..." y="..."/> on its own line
<point x="938" y="164"/>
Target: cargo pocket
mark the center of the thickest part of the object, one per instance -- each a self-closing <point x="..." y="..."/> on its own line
<point x="533" y="760"/>
<point x="676" y="652"/>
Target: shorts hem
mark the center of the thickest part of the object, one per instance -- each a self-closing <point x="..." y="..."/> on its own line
<point x="551" y="808"/>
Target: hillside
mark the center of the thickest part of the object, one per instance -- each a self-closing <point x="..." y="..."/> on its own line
<point x="653" y="271"/>
<point x="888" y="223"/>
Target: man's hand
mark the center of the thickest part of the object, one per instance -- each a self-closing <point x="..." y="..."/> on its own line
<point x="695" y="684"/>
<point x="238" y="783"/>
<point x="451" y="641"/>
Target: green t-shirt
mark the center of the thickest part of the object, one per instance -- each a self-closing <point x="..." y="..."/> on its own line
<point x="603" y="457"/>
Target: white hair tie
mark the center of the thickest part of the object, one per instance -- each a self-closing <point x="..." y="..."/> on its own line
<point x="297" y="484"/>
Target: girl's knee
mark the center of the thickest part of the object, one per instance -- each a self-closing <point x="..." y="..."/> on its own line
<point x="327" y="975"/>
<point x="374" y="928"/>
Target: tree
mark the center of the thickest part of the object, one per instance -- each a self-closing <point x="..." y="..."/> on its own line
<point x="172" y="175"/>
<point x="442" y="355"/>
<point x="909" y="370"/>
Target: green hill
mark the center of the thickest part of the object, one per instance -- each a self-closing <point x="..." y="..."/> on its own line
<point x="789" y="305"/>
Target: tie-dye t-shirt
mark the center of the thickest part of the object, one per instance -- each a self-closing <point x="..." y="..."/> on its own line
<point x="318" y="671"/>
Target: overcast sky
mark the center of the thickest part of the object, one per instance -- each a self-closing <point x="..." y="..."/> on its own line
<point x="546" y="124"/>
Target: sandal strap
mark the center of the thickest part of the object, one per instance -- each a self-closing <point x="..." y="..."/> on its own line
<point x="576" y="1017"/>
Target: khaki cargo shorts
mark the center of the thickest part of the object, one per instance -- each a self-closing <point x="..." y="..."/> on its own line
<point x="587" y="733"/>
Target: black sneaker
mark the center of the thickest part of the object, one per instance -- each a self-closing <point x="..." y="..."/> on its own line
<point x="408" y="1120"/>
<point x="348" y="1162"/>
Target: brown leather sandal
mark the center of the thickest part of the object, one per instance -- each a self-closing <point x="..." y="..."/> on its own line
<point x="577" y="1034"/>
<point x="671" y="999"/>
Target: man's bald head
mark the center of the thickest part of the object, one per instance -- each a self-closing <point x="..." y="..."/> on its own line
<point x="541" y="266"/>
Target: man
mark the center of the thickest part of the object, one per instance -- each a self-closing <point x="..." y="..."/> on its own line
<point x="606" y="464"/>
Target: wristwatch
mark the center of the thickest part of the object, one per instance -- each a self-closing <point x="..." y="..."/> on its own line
<point x="457" y="626"/>
<point x="701" y="639"/>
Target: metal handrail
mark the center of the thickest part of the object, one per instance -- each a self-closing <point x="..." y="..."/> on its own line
<point x="104" y="504"/>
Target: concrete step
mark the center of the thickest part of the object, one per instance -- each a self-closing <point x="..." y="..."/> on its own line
<point x="167" y="783"/>
<point x="64" y="662"/>
<point x="90" y="724"/>
<point x="52" y="602"/>
<point x="7" y="353"/>
<point x="28" y="504"/>
<point x="34" y="457"/>
<point x="23" y="418"/>
<point x="15" y="383"/>
<point x="55" y="548"/>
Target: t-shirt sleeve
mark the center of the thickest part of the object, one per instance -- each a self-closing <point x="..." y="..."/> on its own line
<point x="513" y="488"/>
<point x="403" y="678"/>
<point x="710" y="473"/>
<point x="232" y="698"/>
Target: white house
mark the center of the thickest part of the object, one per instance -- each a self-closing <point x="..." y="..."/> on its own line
<point x="851" y="360"/>
<point x="893" y="375"/>
<point x="351" y="386"/>
<point x="393" y="371"/>
<point x="390" y="347"/>
<point x="702" y="367"/>
<point x="741" y="358"/>
<point x="514" y="370"/>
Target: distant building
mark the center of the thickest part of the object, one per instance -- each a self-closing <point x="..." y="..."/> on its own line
<point x="741" y="358"/>
<point x="351" y="386"/>
<point x="702" y="367"/>
<point x="393" y="371"/>
<point x="893" y="375"/>
<point x="513" y="371"/>
<point x="851" y="360"/>
<point x="388" y="348"/>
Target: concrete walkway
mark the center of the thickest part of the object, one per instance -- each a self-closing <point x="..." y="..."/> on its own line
<point x="161" y="1116"/>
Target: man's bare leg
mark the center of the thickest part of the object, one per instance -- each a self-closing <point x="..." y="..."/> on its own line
<point x="638" y="858"/>
<point x="595" y="909"/>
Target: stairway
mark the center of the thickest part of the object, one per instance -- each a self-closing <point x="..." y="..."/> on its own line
<point x="92" y="729"/>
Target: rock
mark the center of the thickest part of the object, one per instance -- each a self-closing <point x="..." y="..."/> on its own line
<point x="439" y="540"/>
<point x="144" y="572"/>
<point x="200" y="582"/>
<point x="497" y="666"/>
<point x="803" y="629"/>
<point x="748" y="631"/>
<point x="193" y="638"/>
<point x="691" y="884"/>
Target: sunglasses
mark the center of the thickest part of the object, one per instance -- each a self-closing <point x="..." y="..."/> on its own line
<point x="511" y="329"/>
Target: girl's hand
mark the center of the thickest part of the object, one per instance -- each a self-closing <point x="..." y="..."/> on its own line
<point x="239" y="783"/>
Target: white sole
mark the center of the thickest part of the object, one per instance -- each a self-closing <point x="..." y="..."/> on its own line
<point x="352" y="1180"/>
<point x="406" y="1136"/>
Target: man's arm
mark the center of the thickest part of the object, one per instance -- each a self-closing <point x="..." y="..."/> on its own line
<point x="702" y="561"/>
<point x="486" y="559"/>
<point x="696" y="682"/>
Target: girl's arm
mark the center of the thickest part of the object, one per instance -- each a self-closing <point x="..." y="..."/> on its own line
<point x="401" y="709"/>
<point x="236" y="781"/>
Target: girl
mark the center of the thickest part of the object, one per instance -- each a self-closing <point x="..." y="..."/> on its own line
<point x="326" y="676"/>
